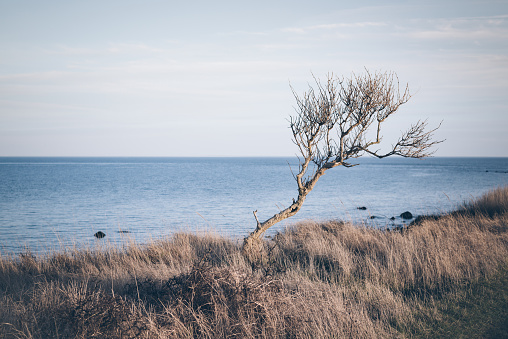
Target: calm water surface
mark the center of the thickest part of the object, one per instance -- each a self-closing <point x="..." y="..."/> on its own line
<point x="47" y="203"/>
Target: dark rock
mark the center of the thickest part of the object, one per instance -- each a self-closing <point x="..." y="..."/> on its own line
<point x="100" y="235"/>
<point x="406" y="215"/>
<point x="372" y="217"/>
<point x="362" y="208"/>
<point x="392" y="218"/>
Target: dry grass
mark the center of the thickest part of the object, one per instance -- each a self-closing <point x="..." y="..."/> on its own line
<point x="327" y="280"/>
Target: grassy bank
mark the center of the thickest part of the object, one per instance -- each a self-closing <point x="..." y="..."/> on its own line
<point x="444" y="276"/>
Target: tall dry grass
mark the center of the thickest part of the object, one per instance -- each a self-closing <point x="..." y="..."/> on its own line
<point x="327" y="280"/>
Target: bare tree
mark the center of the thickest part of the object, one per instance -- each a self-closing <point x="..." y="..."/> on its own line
<point x="339" y="121"/>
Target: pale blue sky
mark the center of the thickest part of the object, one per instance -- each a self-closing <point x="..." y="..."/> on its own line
<point x="211" y="78"/>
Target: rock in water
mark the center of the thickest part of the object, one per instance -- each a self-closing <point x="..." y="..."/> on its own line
<point x="406" y="215"/>
<point x="362" y="208"/>
<point x="100" y="235"/>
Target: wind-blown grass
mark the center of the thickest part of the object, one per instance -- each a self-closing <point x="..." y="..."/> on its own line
<point x="326" y="280"/>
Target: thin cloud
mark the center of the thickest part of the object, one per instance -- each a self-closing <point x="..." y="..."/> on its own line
<point x="41" y="105"/>
<point x="112" y="48"/>
<point x="244" y="33"/>
<point x="308" y="29"/>
<point x="467" y="28"/>
<point x="130" y="48"/>
<point x="463" y="34"/>
<point x="71" y="51"/>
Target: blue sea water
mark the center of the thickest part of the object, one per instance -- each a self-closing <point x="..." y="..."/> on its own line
<point x="55" y="203"/>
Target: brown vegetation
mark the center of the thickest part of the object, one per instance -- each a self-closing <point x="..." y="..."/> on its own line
<point x="323" y="280"/>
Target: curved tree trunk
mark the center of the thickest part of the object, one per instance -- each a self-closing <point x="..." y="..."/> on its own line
<point x="252" y="246"/>
<point x="288" y="212"/>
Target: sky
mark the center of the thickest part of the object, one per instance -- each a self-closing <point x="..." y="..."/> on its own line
<point x="212" y="78"/>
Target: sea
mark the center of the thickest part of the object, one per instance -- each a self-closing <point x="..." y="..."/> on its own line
<point x="58" y="203"/>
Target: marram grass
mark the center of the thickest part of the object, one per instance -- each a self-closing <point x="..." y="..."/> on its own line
<point x="316" y="280"/>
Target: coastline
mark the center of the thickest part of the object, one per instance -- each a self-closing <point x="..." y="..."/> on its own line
<point x="53" y="205"/>
<point x="323" y="279"/>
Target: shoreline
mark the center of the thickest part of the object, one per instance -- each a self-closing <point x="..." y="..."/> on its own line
<point x="44" y="203"/>
<point x="315" y="279"/>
